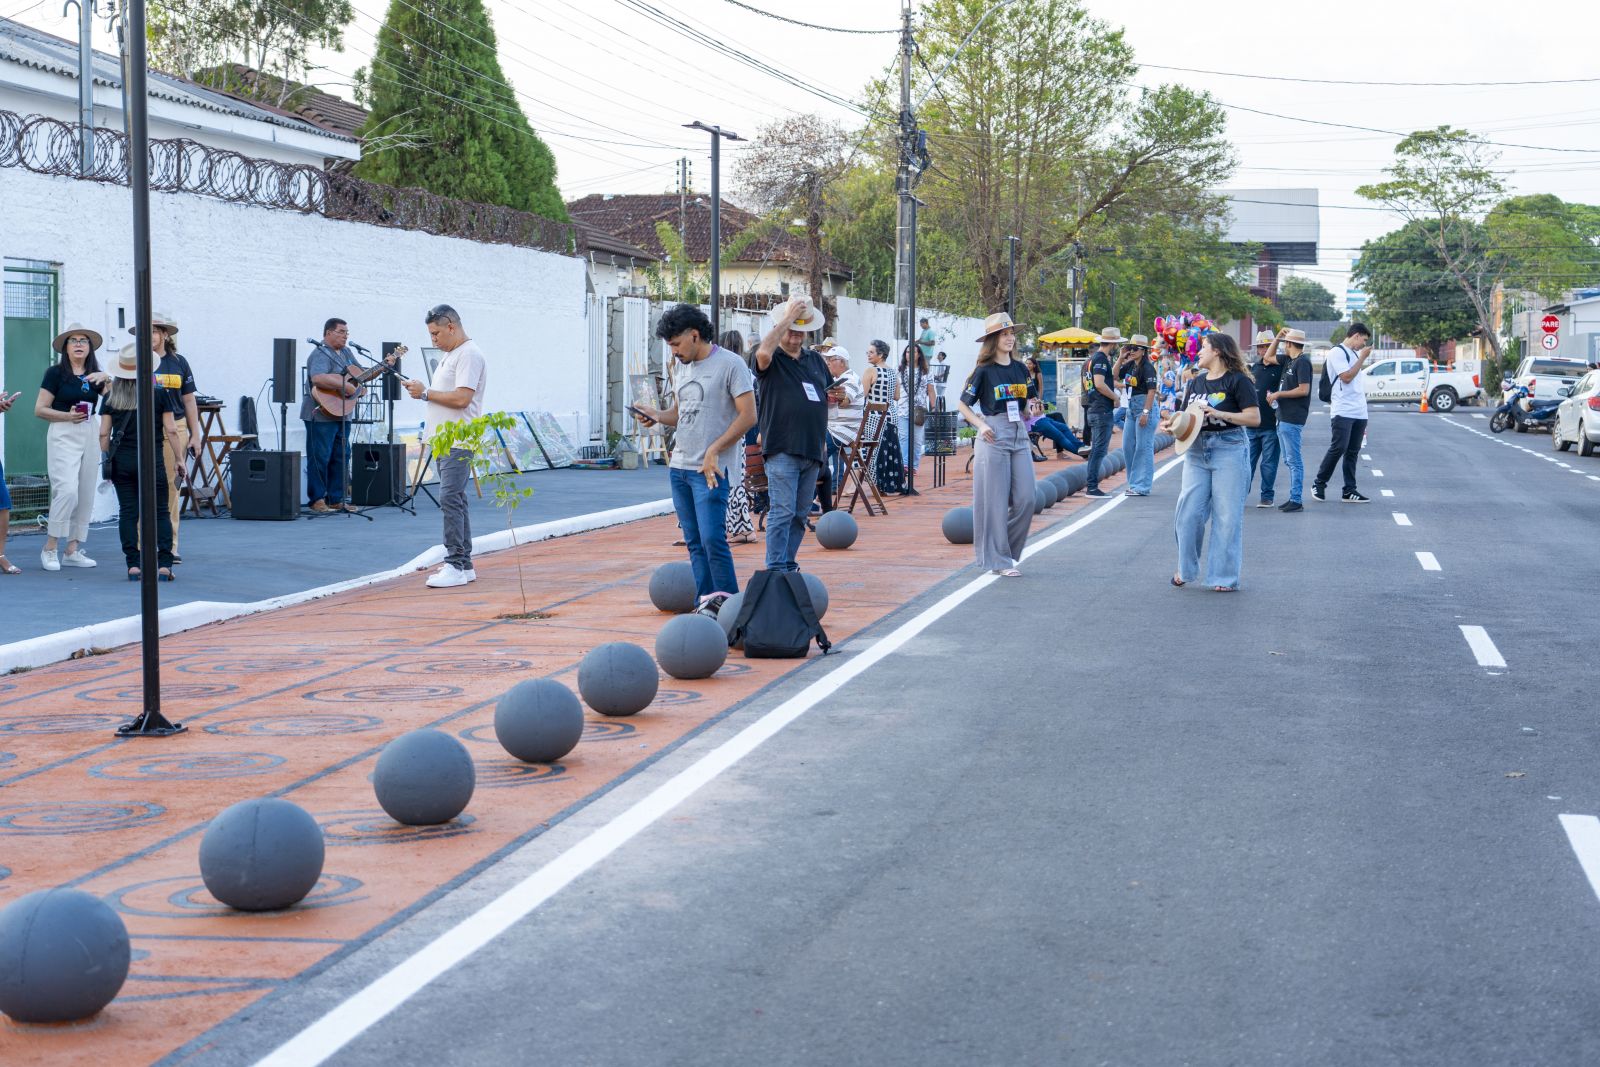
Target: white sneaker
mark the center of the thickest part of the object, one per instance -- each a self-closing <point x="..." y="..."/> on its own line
<point x="77" y="559"/>
<point x="450" y="575"/>
<point x="49" y="558"/>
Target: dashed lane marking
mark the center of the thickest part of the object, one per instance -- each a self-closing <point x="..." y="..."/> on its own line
<point x="1477" y="416"/>
<point x="1376" y="473"/>
<point x="1583" y="832"/>
<point x="1365" y="456"/>
<point x="1429" y="561"/>
<point x="1482" y="647"/>
<point x="1401" y="518"/>
<point x="1387" y="492"/>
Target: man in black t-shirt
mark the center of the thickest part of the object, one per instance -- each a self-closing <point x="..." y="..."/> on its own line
<point x="175" y="378"/>
<point x="1267" y="372"/>
<point x="1292" y="399"/>
<point x="792" y="413"/>
<point x="1099" y="401"/>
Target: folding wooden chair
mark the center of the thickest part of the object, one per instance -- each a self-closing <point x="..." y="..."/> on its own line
<point x="860" y="457"/>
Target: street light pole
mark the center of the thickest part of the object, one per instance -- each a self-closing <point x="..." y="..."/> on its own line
<point x="1011" y="284"/>
<point x="717" y="134"/>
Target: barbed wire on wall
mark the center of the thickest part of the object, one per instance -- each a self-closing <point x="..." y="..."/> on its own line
<point x="45" y="145"/>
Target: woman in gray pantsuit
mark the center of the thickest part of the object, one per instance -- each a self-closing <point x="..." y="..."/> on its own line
<point x="997" y="401"/>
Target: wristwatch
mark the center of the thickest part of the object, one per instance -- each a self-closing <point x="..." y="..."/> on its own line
<point x="424" y="394"/>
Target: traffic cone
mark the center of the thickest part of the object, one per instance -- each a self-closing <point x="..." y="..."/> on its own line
<point x="1422" y="405"/>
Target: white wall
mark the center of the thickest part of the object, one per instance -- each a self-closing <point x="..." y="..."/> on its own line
<point x="236" y="277"/>
<point x="861" y="321"/>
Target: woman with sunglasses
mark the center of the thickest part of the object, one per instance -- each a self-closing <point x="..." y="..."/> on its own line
<point x="69" y="398"/>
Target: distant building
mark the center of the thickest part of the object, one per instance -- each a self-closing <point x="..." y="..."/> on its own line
<point x="1286" y="224"/>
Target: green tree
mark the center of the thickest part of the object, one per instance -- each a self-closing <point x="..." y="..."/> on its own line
<point x="1411" y="293"/>
<point x="201" y="39"/>
<point x="437" y="72"/>
<point x="1302" y="299"/>
<point x="1548" y="244"/>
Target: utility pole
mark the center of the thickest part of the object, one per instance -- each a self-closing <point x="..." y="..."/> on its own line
<point x="683" y="217"/>
<point x="85" y="83"/>
<point x="1077" y="284"/>
<point x="717" y="134"/>
<point x="913" y="161"/>
<point x="1011" y="284"/>
<point x="1113" y="305"/>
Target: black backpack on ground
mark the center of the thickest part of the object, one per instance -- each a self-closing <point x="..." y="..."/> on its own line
<point x="777" y="619"/>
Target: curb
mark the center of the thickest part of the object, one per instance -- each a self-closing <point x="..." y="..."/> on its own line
<point x="69" y="644"/>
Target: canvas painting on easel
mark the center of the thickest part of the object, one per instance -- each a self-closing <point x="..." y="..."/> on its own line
<point x="551" y="437"/>
<point x="522" y="448"/>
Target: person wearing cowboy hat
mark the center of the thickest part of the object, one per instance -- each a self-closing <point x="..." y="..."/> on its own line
<point x="119" y="440"/>
<point x="1100" y="404"/>
<point x="1292" y="399"/>
<point x="792" y="407"/>
<point x="996" y="400"/>
<point x="68" y="398"/>
<point x="175" y="378"/>
<point x="1138" y="377"/>
<point x="1267" y="371"/>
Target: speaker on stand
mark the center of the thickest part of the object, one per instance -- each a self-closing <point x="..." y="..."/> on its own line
<point x="391" y="384"/>
<point x="284" y="374"/>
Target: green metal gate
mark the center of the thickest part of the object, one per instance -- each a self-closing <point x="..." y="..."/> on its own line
<point x="32" y="317"/>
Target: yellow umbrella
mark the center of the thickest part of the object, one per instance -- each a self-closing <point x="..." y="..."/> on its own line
<point x="1070" y="336"/>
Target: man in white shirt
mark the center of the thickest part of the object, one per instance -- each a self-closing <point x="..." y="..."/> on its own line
<point x="1348" y="407"/>
<point x="844" y="411"/>
<point x="455" y="395"/>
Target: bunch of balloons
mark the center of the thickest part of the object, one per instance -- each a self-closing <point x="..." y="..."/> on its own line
<point x="1182" y="333"/>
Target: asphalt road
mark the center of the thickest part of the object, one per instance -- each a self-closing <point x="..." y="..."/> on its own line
<point x="1087" y="818"/>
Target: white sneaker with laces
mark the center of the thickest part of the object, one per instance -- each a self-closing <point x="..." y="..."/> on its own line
<point x="450" y="575"/>
<point x="77" y="559"/>
<point x="49" y="559"/>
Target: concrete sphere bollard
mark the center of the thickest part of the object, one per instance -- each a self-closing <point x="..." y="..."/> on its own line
<point x="424" y="778"/>
<point x="728" y="614"/>
<point x="63" y="956"/>
<point x="819" y="593"/>
<point x="262" y="854"/>
<point x="539" y="720"/>
<point x="1052" y="491"/>
<point x="837" y="529"/>
<point x="672" y="587"/>
<point x="957" y="526"/>
<point x="1040" y="500"/>
<point x="1076" y="478"/>
<point x="1059" y="480"/>
<point x="692" y="646"/>
<point x="618" y="678"/>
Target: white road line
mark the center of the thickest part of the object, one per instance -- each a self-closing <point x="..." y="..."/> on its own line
<point x="370" y="1004"/>
<point x="1566" y="465"/>
<point x="1583" y="832"/>
<point x="1387" y="492"/>
<point x="1365" y="456"/>
<point x="1483" y="648"/>
<point x="1429" y="561"/>
<point x="1477" y="416"/>
<point x="1594" y="477"/>
<point x="1401" y="518"/>
<point x="1376" y="473"/>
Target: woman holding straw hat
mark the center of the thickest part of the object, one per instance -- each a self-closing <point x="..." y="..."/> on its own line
<point x="69" y="398"/>
<point x="1216" y="406"/>
<point x="996" y="401"/>
<point x="119" y="439"/>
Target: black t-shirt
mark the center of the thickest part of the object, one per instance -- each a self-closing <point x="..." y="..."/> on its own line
<point x="1267" y="376"/>
<point x="68" y="388"/>
<point x="174" y="368"/>
<point x="1295" y="409"/>
<point x="1138" y="377"/>
<point x="1095" y="401"/>
<point x="793" y="420"/>
<point x="120" y="417"/>
<point x="991" y="387"/>
<point x="1231" y="392"/>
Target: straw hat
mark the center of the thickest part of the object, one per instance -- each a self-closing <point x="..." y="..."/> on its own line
<point x="995" y="323"/>
<point x="825" y="344"/>
<point x="1111" y="335"/>
<point x="1185" y="430"/>
<point x="810" y="320"/>
<point x="1265" y="337"/>
<point x="1295" y="337"/>
<point x="126" y="365"/>
<point x="1139" y="340"/>
<point x="60" y="343"/>
<point x="163" y="320"/>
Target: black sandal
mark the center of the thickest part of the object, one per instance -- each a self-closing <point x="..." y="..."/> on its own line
<point x="1178" y="582"/>
<point x="164" y="574"/>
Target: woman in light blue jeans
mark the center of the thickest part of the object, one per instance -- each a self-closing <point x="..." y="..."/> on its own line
<point x="1216" y="469"/>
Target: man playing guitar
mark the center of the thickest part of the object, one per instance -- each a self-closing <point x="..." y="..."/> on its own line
<point x="334" y="384"/>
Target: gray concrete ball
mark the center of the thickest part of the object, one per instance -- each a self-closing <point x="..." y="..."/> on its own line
<point x="1076" y="478"/>
<point x="1040" y="499"/>
<point x="837" y="529"/>
<point x="819" y="593"/>
<point x="1052" y="491"/>
<point x="539" y="720"/>
<point x="618" y="678"/>
<point x="957" y="526"/>
<point x="692" y="646"/>
<point x="63" y="956"/>
<point x="728" y="614"/>
<point x="424" y="778"/>
<point x="262" y="854"/>
<point x="672" y="587"/>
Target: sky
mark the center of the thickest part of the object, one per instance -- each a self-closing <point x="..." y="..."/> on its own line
<point x="609" y="88"/>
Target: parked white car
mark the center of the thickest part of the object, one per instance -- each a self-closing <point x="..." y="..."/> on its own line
<point x="1403" y="380"/>
<point x="1546" y="376"/>
<point x="1578" y="417"/>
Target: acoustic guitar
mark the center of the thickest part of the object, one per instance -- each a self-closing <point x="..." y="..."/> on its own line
<point x="339" y="406"/>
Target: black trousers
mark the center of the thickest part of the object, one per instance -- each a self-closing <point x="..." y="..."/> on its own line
<point x="125" y="479"/>
<point x="1348" y="434"/>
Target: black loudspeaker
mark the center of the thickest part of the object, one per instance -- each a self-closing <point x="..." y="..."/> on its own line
<point x="284" y="371"/>
<point x="391" y="382"/>
<point x="266" y="485"/>
<point x="377" y="475"/>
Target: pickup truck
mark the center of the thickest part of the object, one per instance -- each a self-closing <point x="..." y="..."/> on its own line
<point x="1546" y="376"/>
<point x="1402" y="379"/>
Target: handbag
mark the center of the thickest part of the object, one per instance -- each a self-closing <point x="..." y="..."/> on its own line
<point x="118" y="432"/>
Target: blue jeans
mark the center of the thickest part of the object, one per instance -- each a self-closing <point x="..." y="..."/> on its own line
<point x="1289" y="445"/>
<point x="1263" y="449"/>
<point x="1099" y="442"/>
<point x="791" y="483"/>
<point x="1139" y="451"/>
<point x="327" y="445"/>
<point x="703" y="517"/>
<point x="1057" y="432"/>
<point x="1216" y="476"/>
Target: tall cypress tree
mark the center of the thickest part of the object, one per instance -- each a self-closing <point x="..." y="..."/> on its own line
<point x="443" y="117"/>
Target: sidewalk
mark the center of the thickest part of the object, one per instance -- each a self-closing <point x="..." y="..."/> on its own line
<point x="234" y="561"/>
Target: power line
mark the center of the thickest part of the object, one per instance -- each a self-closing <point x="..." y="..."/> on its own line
<point x="807" y="25"/>
<point x="1396" y="133"/>
<point x="1384" y="84"/>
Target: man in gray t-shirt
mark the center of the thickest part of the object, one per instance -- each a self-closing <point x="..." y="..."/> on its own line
<point x="329" y="367"/>
<point x="713" y="407"/>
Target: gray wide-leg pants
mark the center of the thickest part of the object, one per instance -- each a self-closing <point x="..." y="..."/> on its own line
<point x="1002" y="494"/>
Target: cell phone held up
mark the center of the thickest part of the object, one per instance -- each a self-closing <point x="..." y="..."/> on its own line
<point x="641" y="416"/>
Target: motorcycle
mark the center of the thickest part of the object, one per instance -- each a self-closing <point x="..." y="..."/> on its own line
<point x="1521" y="410"/>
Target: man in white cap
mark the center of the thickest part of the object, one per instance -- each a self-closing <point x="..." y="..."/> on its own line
<point x="1099" y="404"/>
<point x="792" y="411"/>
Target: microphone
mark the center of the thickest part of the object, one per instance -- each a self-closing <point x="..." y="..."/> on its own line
<point x="313" y="342"/>
<point x="358" y="348"/>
